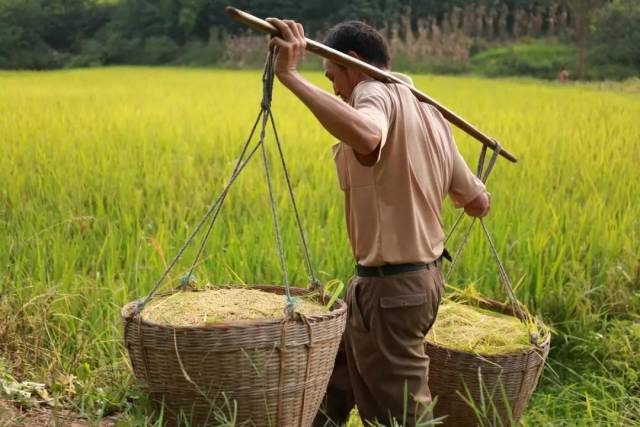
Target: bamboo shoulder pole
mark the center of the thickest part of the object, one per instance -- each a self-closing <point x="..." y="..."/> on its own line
<point x="372" y="71"/>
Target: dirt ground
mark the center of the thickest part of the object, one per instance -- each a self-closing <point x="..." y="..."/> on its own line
<point x="11" y="416"/>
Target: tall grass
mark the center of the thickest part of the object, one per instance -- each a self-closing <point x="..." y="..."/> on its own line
<point x="105" y="172"/>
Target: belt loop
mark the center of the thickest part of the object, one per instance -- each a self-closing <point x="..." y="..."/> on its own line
<point x="380" y="272"/>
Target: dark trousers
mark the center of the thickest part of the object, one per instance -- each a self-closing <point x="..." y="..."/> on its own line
<point x="381" y="358"/>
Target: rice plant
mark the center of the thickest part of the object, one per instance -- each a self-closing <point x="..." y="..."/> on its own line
<point x="105" y="172"/>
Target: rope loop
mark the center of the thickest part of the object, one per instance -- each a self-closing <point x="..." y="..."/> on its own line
<point x="267" y="82"/>
<point x="290" y="306"/>
<point x="494" y="157"/>
<point x="188" y="281"/>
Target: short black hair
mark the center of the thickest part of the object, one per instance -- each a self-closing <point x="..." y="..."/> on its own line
<point x="361" y="38"/>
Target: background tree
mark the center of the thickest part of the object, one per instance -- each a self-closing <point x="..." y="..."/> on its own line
<point x="616" y="36"/>
<point x="489" y="37"/>
<point x="582" y="14"/>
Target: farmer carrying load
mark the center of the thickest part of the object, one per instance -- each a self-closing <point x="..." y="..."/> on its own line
<point x="396" y="162"/>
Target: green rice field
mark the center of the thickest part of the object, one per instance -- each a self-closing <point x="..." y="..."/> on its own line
<point x="104" y="172"/>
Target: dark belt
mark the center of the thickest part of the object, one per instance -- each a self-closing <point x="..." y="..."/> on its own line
<point x="391" y="269"/>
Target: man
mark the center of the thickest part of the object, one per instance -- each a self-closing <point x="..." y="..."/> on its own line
<point x="396" y="162"/>
<point x="563" y="75"/>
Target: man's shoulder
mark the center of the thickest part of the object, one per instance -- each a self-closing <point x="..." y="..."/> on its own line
<point x="370" y="92"/>
<point x="370" y="87"/>
<point x="404" y="77"/>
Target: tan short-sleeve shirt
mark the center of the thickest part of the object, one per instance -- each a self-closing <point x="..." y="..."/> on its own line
<point x="394" y="208"/>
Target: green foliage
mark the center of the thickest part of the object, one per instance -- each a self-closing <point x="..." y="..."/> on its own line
<point x="595" y="380"/>
<point x="159" y="50"/>
<point x="537" y="59"/>
<point x="200" y="53"/>
<point x="433" y="65"/>
<point x="616" y="38"/>
<point x="21" y="45"/>
<point x="621" y="351"/>
<point x="545" y="58"/>
<point x="39" y="34"/>
<point x="44" y="34"/>
<point x="610" y="71"/>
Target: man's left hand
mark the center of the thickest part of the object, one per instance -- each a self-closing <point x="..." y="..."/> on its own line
<point x="480" y="206"/>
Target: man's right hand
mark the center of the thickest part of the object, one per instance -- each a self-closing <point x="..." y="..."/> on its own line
<point x="480" y="206"/>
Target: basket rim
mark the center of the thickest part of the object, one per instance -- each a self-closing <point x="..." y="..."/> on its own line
<point x="493" y="305"/>
<point x="340" y="308"/>
<point x="492" y="357"/>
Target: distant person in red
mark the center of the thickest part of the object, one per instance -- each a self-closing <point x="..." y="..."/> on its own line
<point x="563" y="75"/>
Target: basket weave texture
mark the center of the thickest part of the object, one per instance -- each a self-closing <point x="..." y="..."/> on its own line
<point x="276" y="371"/>
<point x="489" y="381"/>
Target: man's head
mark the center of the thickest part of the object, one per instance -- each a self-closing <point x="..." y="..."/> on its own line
<point x="361" y="41"/>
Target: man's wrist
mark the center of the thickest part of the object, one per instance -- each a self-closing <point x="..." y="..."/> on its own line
<point x="288" y="77"/>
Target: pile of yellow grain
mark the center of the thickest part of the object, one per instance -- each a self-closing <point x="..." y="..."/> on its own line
<point x="472" y="329"/>
<point x="205" y="307"/>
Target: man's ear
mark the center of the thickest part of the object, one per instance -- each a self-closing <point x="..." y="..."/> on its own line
<point x="354" y="54"/>
<point x="354" y="74"/>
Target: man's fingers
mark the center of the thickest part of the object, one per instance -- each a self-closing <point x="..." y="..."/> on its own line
<point x="293" y="27"/>
<point x="289" y="30"/>
<point x="278" y="42"/>
<point x="285" y="31"/>
<point x="300" y="41"/>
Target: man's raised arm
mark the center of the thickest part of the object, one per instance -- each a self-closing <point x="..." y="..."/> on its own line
<point x="340" y="119"/>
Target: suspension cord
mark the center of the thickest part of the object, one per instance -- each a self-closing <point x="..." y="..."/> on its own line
<point x="264" y="117"/>
<point x="213" y="209"/>
<point x="483" y="174"/>
<point x="305" y="247"/>
<point x="267" y="85"/>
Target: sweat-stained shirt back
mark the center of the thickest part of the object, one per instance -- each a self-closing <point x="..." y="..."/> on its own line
<point x="394" y="208"/>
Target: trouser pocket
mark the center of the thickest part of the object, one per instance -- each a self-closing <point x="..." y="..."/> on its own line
<point x="355" y="316"/>
<point x="406" y="316"/>
<point x="410" y="304"/>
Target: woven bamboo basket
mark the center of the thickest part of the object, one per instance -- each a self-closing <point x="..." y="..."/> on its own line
<point x="275" y="371"/>
<point x="491" y="390"/>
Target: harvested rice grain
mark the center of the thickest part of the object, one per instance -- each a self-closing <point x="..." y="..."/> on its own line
<point x="222" y="305"/>
<point x="472" y="329"/>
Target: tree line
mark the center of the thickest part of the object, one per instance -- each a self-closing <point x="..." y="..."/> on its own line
<point x="45" y="34"/>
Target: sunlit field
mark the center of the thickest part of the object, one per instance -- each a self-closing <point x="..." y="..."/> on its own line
<point x="103" y="174"/>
